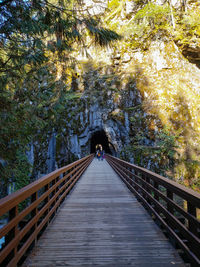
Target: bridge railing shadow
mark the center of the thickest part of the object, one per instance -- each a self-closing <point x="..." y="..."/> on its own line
<point x="43" y="198"/>
<point x="159" y="195"/>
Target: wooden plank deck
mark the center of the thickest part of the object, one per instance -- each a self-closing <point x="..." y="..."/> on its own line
<point x="102" y="224"/>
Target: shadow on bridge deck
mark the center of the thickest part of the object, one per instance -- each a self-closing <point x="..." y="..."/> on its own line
<point x="102" y="224"/>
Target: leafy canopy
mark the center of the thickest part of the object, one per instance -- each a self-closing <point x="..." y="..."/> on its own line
<point x="37" y="38"/>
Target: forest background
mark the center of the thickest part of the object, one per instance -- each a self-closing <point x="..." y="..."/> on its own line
<point x="39" y="43"/>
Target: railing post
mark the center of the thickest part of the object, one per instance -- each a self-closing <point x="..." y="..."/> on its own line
<point x="57" y="189"/>
<point x="170" y="196"/>
<point x="147" y="179"/>
<point x="169" y="207"/>
<point x="136" y="181"/>
<point x="144" y="186"/>
<point x="192" y="210"/>
<point x="53" y="193"/>
<point x="46" y="188"/>
<point x="155" y="185"/>
<point x="131" y="177"/>
<point x="126" y="169"/>
<point x="13" y="232"/>
<point x="34" y="213"/>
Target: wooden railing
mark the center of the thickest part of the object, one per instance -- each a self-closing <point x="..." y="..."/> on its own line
<point x="40" y="200"/>
<point x="174" y="205"/>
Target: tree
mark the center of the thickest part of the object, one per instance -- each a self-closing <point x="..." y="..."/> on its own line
<point x="35" y="37"/>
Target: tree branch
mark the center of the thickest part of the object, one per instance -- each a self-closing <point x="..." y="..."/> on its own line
<point x="5" y="2"/>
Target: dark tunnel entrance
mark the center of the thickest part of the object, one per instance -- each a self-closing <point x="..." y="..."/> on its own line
<point x="100" y="137"/>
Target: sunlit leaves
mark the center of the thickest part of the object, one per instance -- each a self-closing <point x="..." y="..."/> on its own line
<point x="150" y="21"/>
<point x="103" y="37"/>
<point x="155" y="14"/>
<point x="188" y="30"/>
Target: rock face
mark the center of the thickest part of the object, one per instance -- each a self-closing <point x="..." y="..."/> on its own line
<point x="141" y="105"/>
<point x="124" y="105"/>
<point x="101" y="119"/>
<point x="97" y="123"/>
<point x="95" y="7"/>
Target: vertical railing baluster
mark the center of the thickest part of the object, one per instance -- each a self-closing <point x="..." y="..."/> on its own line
<point x="170" y="196"/>
<point x="155" y="185"/>
<point x="131" y="177"/>
<point x="126" y="169"/>
<point x="143" y="176"/>
<point x="53" y="192"/>
<point x="192" y="210"/>
<point x="57" y="189"/>
<point x="46" y="189"/>
<point x="136" y="181"/>
<point x="169" y="206"/>
<point x="13" y="232"/>
<point x="34" y="213"/>
<point x="147" y="179"/>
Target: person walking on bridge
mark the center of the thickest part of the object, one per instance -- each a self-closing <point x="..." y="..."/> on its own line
<point x="102" y="155"/>
<point x="98" y="154"/>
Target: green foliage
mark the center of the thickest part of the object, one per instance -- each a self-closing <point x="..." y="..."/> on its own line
<point x="188" y="30"/>
<point x="154" y="14"/>
<point x="115" y="8"/>
<point x="36" y="41"/>
<point x="166" y="144"/>
<point x="160" y="154"/>
<point x="102" y="36"/>
<point x="188" y="171"/>
<point x="174" y="100"/>
<point x="149" y="22"/>
<point x="18" y="172"/>
<point x="114" y="4"/>
<point x="21" y="170"/>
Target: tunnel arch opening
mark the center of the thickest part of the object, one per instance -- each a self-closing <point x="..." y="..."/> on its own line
<point x="100" y="138"/>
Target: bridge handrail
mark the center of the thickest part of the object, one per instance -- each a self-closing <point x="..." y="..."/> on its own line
<point x="42" y="199"/>
<point x="179" y="188"/>
<point x="166" y="199"/>
<point x="10" y="201"/>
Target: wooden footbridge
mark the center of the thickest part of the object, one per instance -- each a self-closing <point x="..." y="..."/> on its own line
<point x="103" y="220"/>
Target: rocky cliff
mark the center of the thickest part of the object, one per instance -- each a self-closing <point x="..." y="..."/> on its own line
<point x="141" y="102"/>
